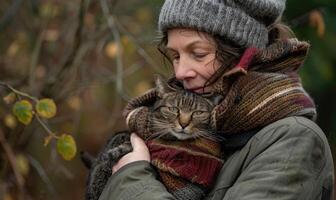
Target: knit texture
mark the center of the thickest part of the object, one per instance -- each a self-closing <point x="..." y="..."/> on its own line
<point x="244" y="22"/>
<point x="186" y="168"/>
<point x="270" y="90"/>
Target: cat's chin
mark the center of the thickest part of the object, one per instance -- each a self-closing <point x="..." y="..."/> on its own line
<point x="177" y="136"/>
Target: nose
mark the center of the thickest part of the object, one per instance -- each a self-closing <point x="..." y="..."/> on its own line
<point x="184" y="120"/>
<point x="183" y="69"/>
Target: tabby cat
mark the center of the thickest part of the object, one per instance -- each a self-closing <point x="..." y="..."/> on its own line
<point x="177" y="115"/>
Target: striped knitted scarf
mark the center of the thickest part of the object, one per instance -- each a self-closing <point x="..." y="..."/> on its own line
<point x="187" y="169"/>
<point x="270" y="90"/>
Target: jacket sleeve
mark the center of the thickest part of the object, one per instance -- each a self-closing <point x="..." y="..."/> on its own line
<point x="135" y="181"/>
<point x="290" y="162"/>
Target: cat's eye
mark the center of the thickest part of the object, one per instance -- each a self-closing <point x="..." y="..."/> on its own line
<point x="173" y="109"/>
<point x="198" y="113"/>
<point x="169" y="109"/>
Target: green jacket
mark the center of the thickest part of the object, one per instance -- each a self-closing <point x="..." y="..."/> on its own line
<point x="288" y="159"/>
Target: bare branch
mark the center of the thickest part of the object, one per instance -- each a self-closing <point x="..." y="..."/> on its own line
<point x="141" y="51"/>
<point x="5" y="20"/>
<point x="41" y="172"/>
<point x="17" y="91"/>
<point x="11" y="157"/>
<point x="111" y="24"/>
<point x="34" y="61"/>
<point x="61" y="75"/>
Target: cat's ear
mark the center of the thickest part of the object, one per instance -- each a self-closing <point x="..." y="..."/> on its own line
<point x="162" y="86"/>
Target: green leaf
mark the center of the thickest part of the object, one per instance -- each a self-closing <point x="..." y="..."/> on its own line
<point x="23" y="110"/>
<point x="46" y="108"/>
<point x="66" y="146"/>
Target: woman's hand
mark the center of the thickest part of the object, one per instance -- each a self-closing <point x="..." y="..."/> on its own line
<point x="140" y="152"/>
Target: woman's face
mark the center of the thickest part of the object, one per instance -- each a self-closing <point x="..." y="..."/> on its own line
<point x="193" y="55"/>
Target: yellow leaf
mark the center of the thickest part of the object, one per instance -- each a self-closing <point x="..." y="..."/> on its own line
<point x="10" y="98"/>
<point x="142" y="87"/>
<point x="47" y="140"/>
<point x="316" y="20"/>
<point x="46" y="108"/>
<point x="49" y="10"/>
<point x="10" y="121"/>
<point x="22" y="164"/>
<point x="13" y="49"/>
<point x="23" y="110"/>
<point x="7" y="197"/>
<point x="51" y="35"/>
<point x="111" y="50"/>
<point x="128" y="46"/>
<point x="89" y="20"/>
<point x="66" y="147"/>
<point x="40" y="71"/>
<point x="74" y="102"/>
<point x="144" y="15"/>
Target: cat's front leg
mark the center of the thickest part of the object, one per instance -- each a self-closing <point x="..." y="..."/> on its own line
<point x="116" y="153"/>
<point x="138" y="121"/>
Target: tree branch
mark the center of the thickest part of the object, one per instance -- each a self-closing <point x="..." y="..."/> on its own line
<point x="51" y="89"/>
<point x="12" y="160"/>
<point x="11" y="12"/>
<point x="3" y="84"/>
<point x="112" y="26"/>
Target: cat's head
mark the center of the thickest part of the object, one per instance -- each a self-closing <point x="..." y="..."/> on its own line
<point x="180" y="114"/>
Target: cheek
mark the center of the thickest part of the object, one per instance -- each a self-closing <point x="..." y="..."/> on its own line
<point x="208" y="68"/>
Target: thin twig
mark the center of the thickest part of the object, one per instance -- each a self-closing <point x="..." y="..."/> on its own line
<point x="141" y="51"/>
<point x="11" y="157"/>
<point x="303" y="19"/>
<point x="17" y="91"/>
<point x="11" y="12"/>
<point x="111" y="24"/>
<point x="51" y="89"/>
<point x="41" y="172"/>
<point x="36" y="54"/>
<point x="76" y="64"/>
<point x="46" y="127"/>
<point x="34" y="61"/>
<point x="77" y="40"/>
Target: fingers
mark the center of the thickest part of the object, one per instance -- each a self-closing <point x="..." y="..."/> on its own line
<point x="140" y="152"/>
<point x="137" y="143"/>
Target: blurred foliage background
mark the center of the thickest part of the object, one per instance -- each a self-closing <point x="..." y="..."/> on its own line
<point x="90" y="57"/>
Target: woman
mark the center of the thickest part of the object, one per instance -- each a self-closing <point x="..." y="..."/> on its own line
<point x="274" y="150"/>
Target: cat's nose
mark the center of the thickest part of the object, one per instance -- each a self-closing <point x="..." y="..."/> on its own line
<point x="184" y="120"/>
<point x="183" y="125"/>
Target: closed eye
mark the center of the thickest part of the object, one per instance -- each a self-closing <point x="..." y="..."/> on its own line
<point x="199" y="55"/>
<point x="173" y="109"/>
<point x="199" y="112"/>
<point x="169" y="109"/>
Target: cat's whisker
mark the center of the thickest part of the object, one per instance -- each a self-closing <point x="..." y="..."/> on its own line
<point x="157" y="134"/>
<point x="153" y="136"/>
<point x="209" y="135"/>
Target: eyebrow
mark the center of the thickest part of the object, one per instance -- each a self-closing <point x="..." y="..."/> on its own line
<point x="187" y="47"/>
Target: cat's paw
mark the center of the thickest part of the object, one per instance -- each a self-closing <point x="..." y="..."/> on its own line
<point x="117" y="152"/>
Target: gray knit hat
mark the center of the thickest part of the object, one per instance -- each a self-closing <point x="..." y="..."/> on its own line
<point x="244" y="22"/>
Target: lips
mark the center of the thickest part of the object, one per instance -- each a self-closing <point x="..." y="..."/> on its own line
<point x="197" y="89"/>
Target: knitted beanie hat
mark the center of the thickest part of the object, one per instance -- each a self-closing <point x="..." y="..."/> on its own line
<point x="244" y="22"/>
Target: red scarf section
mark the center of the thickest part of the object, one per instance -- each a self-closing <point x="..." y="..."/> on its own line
<point x="196" y="161"/>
